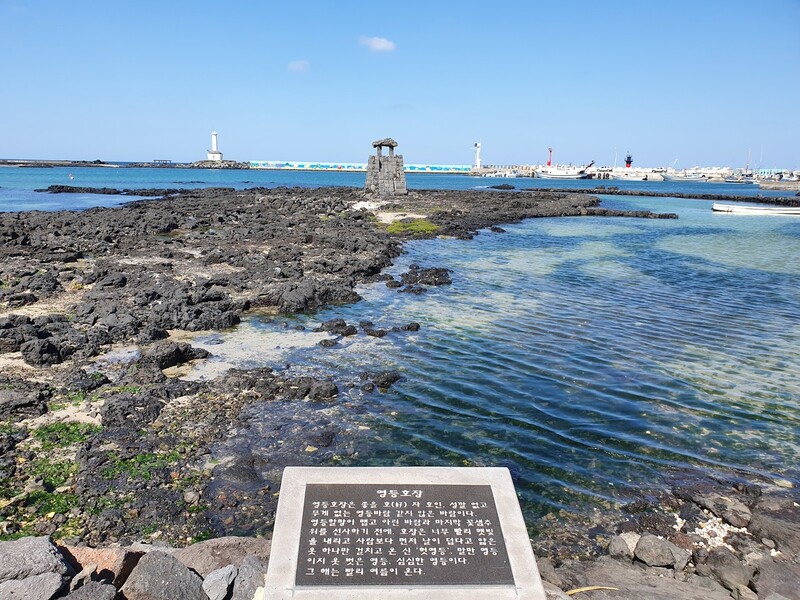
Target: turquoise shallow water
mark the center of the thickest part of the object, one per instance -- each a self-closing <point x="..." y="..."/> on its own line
<point x="594" y="357"/>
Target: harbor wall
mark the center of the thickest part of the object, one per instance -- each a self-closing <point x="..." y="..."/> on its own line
<point x="283" y="165"/>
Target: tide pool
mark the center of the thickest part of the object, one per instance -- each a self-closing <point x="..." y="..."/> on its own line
<point x="595" y="357"/>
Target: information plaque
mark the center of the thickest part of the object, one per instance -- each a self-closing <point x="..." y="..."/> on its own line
<point x="400" y="534"/>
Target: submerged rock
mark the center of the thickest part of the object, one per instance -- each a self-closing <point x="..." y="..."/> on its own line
<point x="417" y="275"/>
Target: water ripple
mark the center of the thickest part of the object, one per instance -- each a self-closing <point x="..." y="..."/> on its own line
<point x="591" y="356"/>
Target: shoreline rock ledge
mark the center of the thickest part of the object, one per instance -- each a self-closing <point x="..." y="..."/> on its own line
<point x="77" y="286"/>
<point x="700" y="544"/>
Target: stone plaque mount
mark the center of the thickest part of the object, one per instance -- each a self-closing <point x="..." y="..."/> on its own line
<point x="402" y="532"/>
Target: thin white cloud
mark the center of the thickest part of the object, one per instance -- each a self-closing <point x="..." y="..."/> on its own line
<point x="377" y="44"/>
<point x="299" y="66"/>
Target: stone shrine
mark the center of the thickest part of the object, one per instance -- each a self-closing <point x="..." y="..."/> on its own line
<point x="385" y="174"/>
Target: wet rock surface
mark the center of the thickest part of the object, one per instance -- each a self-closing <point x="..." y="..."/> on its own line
<point x="708" y="556"/>
<point x="101" y="448"/>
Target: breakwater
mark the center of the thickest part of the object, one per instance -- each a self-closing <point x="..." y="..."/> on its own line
<point x="615" y="191"/>
<point x="343" y="167"/>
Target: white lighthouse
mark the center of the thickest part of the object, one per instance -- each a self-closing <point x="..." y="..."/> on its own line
<point x="214" y="154"/>
<point x="477" y="156"/>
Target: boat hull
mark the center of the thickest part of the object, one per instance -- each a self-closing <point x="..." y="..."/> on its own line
<point x="541" y="175"/>
<point x="683" y="179"/>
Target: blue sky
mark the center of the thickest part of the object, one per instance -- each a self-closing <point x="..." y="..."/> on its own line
<point x="702" y="82"/>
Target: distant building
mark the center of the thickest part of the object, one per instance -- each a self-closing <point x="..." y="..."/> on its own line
<point x="214" y="154"/>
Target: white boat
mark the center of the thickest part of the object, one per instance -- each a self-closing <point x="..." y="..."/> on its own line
<point x="684" y="177"/>
<point x="745" y="175"/>
<point x="635" y="176"/>
<point x="755" y="210"/>
<point x="563" y="172"/>
<point x="741" y="179"/>
<point x="507" y="173"/>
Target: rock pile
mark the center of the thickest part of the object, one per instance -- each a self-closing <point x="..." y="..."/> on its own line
<point x="228" y="568"/>
<point x="707" y="544"/>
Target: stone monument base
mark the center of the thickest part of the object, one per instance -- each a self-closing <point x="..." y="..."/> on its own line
<point x="403" y="533"/>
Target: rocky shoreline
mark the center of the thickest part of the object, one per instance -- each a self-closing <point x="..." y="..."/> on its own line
<point x="100" y="448"/>
<point x="698" y="543"/>
<point x="613" y="190"/>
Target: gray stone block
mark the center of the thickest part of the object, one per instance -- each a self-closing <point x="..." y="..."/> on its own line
<point x="618" y="548"/>
<point x="160" y="576"/>
<point x="548" y="572"/>
<point x="218" y="583"/>
<point x="552" y="592"/>
<point x="728" y="570"/>
<point x="778" y="520"/>
<point x="654" y="552"/>
<point x="252" y="573"/>
<point x="37" y="587"/>
<point x="208" y="556"/>
<point x="30" y="556"/>
<point x="778" y="578"/>
<point x="93" y="590"/>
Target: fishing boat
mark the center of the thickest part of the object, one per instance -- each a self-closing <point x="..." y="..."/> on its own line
<point x="744" y="176"/>
<point x="685" y="177"/>
<point x="563" y="172"/>
<point x="551" y="171"/>
<point x="502" y="173"/>
<point x="755" y="210"/>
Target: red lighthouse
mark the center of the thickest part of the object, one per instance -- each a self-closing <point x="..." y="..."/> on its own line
<point x="628" y="161"/>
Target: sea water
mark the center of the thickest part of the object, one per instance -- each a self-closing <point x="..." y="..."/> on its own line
<point x="592" y="356"/>
<point x="597" y="358"/>
<point x="17" y="184"/>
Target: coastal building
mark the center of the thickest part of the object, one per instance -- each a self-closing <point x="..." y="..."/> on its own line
<point x="214" y="154"/>
<point x="385" y="174"/>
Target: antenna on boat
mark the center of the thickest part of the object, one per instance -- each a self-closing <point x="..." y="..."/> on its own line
<point x="550" y="157"/>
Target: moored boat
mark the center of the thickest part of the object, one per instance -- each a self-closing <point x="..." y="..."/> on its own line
<point x="551" y="171"/>
<point x="563" y="172"/>
<point x="740" y="179"/>
<point x="743" y="176"/>
<point x="755" y="210"/>
<point x="685" y="177"/>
